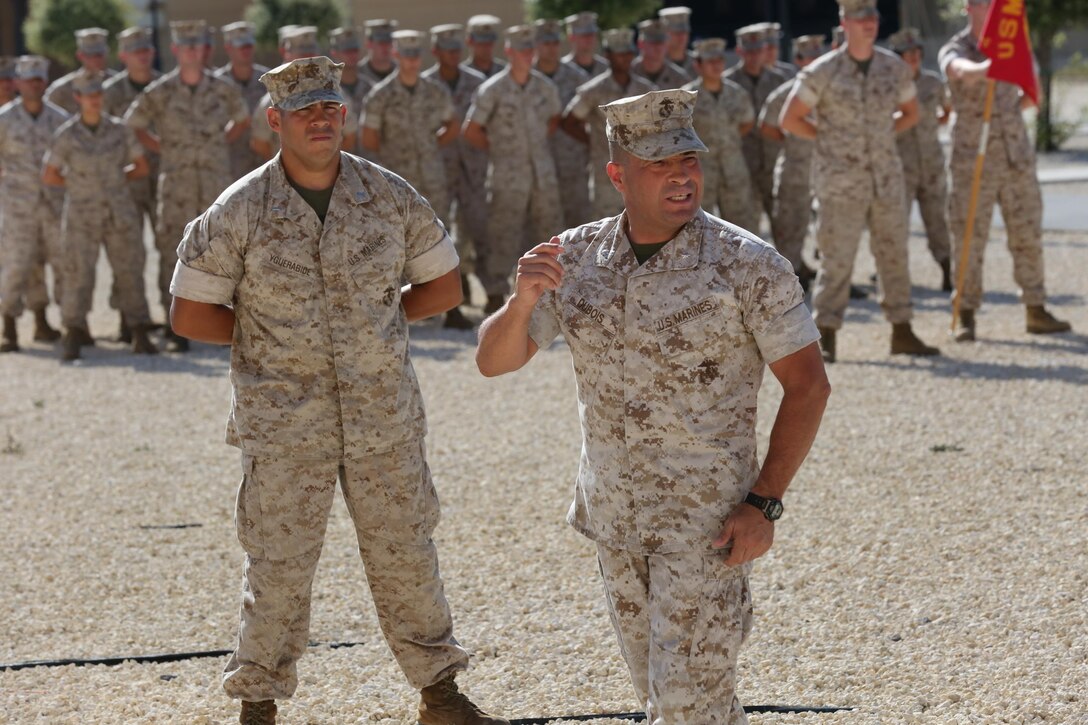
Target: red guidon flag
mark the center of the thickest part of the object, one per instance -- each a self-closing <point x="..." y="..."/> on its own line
<point x="1006" y="42"/>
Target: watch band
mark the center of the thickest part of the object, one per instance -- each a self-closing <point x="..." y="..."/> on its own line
<point x="770" y="507"/>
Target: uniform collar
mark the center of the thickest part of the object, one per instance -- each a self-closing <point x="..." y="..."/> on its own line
<point x="682" y="252"/>
<point x="347" y="192"/>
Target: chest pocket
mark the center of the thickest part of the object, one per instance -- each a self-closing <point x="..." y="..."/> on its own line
<point x="376" y="265"/>
<point x="696" y="353"/>
<point x="286" y="290"/>
<point x="589" y="332"/>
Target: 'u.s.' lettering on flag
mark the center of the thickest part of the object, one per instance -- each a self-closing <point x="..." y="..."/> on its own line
<point x="1005" y="41"/>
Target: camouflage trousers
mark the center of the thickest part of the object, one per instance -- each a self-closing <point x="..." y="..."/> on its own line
<point x="182" y="196"/>
<point x="281" y="514"/>
<point x="840" y="221"/>
<point x="792" y="212"/>
<point x="681" y="620"/>
<point x="931" y="192"/>
<point x="84" y="229"/>
<point x="515" y="206"/>
<point x="466" y="171"/>
<point x="727" y="192"/>
<point x="1017" y="191"/>
<point x="29" y="238"/>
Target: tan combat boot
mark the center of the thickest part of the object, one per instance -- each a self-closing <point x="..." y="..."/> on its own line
<point x="905" y="342"/>
<point x="443" y="704"/>
<point x="141" y="343"/>
<point x="258" y="713"/>
<point x="10" y="342"/>
<point x="1041" y="322"/>
<point x="70" y="345"/>
<point x="42" y="331"/>
<point x="827" y="344"/>
<point x="965" y="327"/>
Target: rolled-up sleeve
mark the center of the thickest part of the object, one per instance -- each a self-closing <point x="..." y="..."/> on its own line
<point x="429" y="251"/>
<point x="811" y="85"/>
<point x="210" y="260"/>
<point x="774" y="308"/>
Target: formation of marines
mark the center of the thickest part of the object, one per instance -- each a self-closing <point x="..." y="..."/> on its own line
<point x="509" y="151"/>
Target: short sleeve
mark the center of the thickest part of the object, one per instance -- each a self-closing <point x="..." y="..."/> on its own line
<point x="210" y="260"/>
<point x="57" y="155"/>
<point x="141" y="112"/>
<point x="483" y="105"/>
<point x="544" y="322"/>
<point x="236" y="105"/>
<point x="746" y="112"/>
<point x="580" y="106"/>
<point x="373" y="108"/>
<point x="811" y="84"/>
<point x="429" y="251"/>
<point x="907" y="90"/>
<point x="948" y="53"/>
<point x="774" y="309"/>
<point x="448" y="112"/>
<point x="133" y="148"/>
<point x="555" y="107"/>
<point x="259" y="129"/>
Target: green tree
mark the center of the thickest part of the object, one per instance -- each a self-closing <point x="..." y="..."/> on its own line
<point x="51" y="25"/>
<point x="268" y="16"/>
<point x="612" y="13"/>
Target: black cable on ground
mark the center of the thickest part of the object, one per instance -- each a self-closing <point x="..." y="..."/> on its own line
<point x="168" y="657"/>
<point x="641" y="716"/>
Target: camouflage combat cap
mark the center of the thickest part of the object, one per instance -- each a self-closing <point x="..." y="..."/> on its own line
<point x="28" y="67"/>
<point x="483" y="28"/>
<point x="547" y="31"/>
<point x="772" y="32"/>
<point x="209" y="35"/>
<point x="450" y="36"/>
<point x="904" y="40"/>
<point x="858" y="9"/>
<point x="187" y="32"/>
<point x="653" y="126"/>
<point x="380" y="30"/>
<point x="282" y="32"/>
<point x="302" y="40"/>
<point x="7" y="67"/>
<point x="808" y="46"/>
<point x="583" y="23"/>
<point x="238" y="34"/>
<point x="134" y="38"/>
<point x="708" y="48"/>
<point x="676" y="19"/>
<point x="409" y="43"/>
<point x="519" y="37"/>
<point x="304" y="82"/>
<point x="344" y="38"/>
<point x="92" y="41"/>
<point x="750" y="37"/>
<point x="87" y="82"/>
<point x="652" y="31"/>
<point x="619" y="40"/>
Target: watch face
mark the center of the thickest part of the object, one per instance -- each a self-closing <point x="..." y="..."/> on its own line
<point x="773" y="509"/>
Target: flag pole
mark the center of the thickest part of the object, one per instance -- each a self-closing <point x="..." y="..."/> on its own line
<point x="976" y="182"/>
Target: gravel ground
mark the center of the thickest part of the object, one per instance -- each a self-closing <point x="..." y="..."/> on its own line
<point x="930" y="567"/>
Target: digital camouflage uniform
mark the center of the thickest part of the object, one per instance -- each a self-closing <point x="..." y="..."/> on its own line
<point x="858" y="178"/>
<point x="29" y="210"/>
<point x="242" y="158"/>
<point x="521" y="177"/>
<point x="600" y="65"/>
<point x="792" y="182"/>
<point x="571" y="156"/>
<point x="466" y="168"/>
<point x="669" y="357"/>
<point x="94" y="41"/>
<point x="407" y="120"/>
<point x="923" y="164"/>
<point x="323" y="389"/>
<point x="1008" y="179"/>
<point x="727" y="186"/>
<point x="194" y="157"/>
<point x="668" y="76"/>
<point x="585" y="107"/>
<point x="759" y="153"/>
<point x="99" y="212"/>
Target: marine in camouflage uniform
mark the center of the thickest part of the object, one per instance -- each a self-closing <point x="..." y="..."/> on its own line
<point x="195" y="116"/>
<point x="239" y="41"/>
<point x="512" y="116"/>
<point x="345" y="47"/>
<point x="753" y="75"/>
<point x="859" y="106"/>
<point x="669" y="339"/>
<point x="90" y="156"/>
<point x="772" y="51"/>
<point x="584" y="119"/>
<point x="29" y="211"/>
<point x="582" y="38"/>
<point x="483" y="33"/>
<point x="651" y="63"/>
<point x="407" y="120"/>
<point x="723" y="115"/>
<point x="571" y="156"/>
<point x="378" y="64"/>
<point x="793" y="168"/>
<point x="677" y="22"/>
<point x="309" y="293"/>
<point x="1009" y="179"/>
<point x="92" y="47"/>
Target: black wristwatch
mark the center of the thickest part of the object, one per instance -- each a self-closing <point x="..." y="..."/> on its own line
<point x="771" y="507"/>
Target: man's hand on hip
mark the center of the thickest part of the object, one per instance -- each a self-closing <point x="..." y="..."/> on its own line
<point x="748" y="531"/>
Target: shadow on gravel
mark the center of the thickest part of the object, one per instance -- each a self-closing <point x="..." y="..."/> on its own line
<point x="946" y="367"/>
<point x="202" y="360"/>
